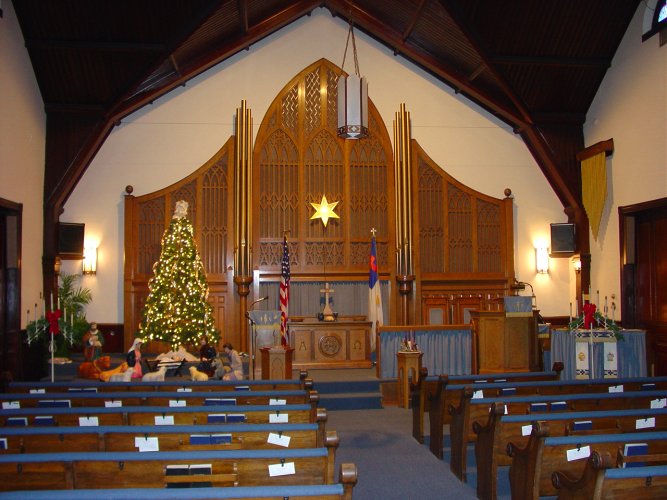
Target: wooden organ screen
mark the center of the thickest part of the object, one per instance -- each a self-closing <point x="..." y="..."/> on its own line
<point x="208" y="193"/>
<point x="298" y="158"/>
<point x="464" y="245"/>
<point x="462" y="239"/>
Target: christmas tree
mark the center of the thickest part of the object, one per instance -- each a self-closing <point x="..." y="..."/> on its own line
<point x="177" y="310"/>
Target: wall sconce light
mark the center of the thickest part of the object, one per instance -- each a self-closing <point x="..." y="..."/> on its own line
<point x="577" y="265"/>
<point x="89" y="263"/>
<point x="542" y="260"/>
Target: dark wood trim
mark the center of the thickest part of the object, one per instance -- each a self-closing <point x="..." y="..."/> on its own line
<point x="603" y="146"/>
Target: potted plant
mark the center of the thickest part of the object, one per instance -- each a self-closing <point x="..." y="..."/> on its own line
<point x="70" y="318"/>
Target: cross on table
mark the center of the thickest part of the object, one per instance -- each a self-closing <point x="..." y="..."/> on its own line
<point x="327" y="290"/>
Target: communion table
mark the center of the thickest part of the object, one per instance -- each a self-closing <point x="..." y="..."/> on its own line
<point x="330" y="344"/>
<point x="631" y="354"/>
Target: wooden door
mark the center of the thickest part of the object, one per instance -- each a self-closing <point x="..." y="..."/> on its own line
<point x="644" y="276"/>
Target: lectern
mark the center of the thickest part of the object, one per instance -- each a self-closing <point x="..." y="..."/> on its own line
<point x="505" y="340"/>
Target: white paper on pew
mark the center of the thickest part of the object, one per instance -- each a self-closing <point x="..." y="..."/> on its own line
<point x="164" y="420"/>
<point x="526" y="429"/>
<point x="37" y="391"/>
<point x="278" y="418"/>
<point x="278" y="439"/>
<point x="274" y="401"/>
<point x="113" y="404"/>
<point x="659" y="403"/>
<point x="147" y="443"/>
<point x="3" y="443"/>
<point x="11" y="405"/>
<point x="184" y="389"/>
<point x="478" y="394"/>
<point x="615" y="388"/>
<point x="578" y="453"/>
<point x="645" y="423"/>
<point x="175" y="403"/>
<point x="285" y="469"/>
<point x="89" y="421"/>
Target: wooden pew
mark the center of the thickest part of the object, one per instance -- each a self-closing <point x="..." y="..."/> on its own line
<point x="428" y="394"/>
<point x="157" y="415"/>
<point x="499" y="430"/>
<point x="168" y="385"/>
<point x="602" y="480"/>
<point x="471" y="410"/>
<point x="159" y="398"/>
<point x="533" y="465"/>
<point x="506" y="389"/>
<point x="92" y="470"/>
<point x="340" y="491"/>
<point x="165" y="437"/>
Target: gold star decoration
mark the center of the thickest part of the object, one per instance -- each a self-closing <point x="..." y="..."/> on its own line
<point x="324" y="210"/>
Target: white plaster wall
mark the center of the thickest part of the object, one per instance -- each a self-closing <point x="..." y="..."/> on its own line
<point x="631" y="108"/>
<point x="22" y="143"/>
<point x="162" y="143"/>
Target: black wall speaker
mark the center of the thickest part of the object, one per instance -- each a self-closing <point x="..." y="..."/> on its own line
<point x="70" y="240"/>
<point x="563" y="238"/>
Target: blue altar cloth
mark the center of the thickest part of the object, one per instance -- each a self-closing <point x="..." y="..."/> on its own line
<point x="631" y="354"/>
<point x="445" y="351"/>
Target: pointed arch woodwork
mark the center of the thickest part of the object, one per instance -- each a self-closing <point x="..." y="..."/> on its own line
<point x="299" y="158"/>
<point x="208" y="192"/>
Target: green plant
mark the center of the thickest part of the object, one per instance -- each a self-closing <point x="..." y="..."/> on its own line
<point x="72" y="322"/>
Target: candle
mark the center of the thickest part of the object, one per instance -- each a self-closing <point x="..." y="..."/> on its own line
<point x="597" y="300"/>
<point x="58" y="302"/>
<point x="43" y="306"/>
<point x="52" y="301"/>
<point x="570" y="312"/>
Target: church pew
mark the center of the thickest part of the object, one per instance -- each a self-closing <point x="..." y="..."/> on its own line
<point x="342" y="490"/>
<point x="501" y="429"/>
<point x="158" y="415"/>
<point x="533" y="465"/>
<point x="91" y="470"/>
<point x="164" y="437"/>
<point x="602" y="480"/>
<point x="159" y="398"/>
<point x="168" y="385"/>
<point x="510" y="389"/>
<point x="471" y="410"/>
<point x="427" y="392"/>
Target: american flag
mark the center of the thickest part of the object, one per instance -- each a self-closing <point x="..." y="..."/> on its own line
<point x="284" y="295"/>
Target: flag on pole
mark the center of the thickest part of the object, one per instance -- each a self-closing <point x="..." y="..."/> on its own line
<point x="374" y="295"/>
<point x="284" y="295"/>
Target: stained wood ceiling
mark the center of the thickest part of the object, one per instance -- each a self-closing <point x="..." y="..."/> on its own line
<point x="536" y="64"/>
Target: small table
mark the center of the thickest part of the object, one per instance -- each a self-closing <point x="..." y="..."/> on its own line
<point x="407" y="361"/>
<point x="276" y="363"/>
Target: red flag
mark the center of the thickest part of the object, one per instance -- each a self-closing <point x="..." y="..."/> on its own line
<point x="284" y="295"/>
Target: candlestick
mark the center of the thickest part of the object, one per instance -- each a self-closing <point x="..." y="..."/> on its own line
<point x="570" y="312"/>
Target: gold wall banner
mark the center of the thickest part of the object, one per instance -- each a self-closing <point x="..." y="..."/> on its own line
<point x="594" y="189"/>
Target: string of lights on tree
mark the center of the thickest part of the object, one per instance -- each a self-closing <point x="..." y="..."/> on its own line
<point x="177" y="309"/>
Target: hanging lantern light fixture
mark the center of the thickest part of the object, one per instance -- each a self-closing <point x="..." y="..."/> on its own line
<point x="352" y="98"/>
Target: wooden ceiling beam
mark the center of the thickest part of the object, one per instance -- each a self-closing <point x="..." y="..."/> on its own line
<point x="34" y="44"/>
<point x="559" y="62"/>
<point x="413" y="22"/>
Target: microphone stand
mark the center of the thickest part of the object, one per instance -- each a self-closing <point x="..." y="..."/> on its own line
<point x="253" y="335"/>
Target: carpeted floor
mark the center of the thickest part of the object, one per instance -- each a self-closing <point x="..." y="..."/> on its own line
<point x="390" y="462"/>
